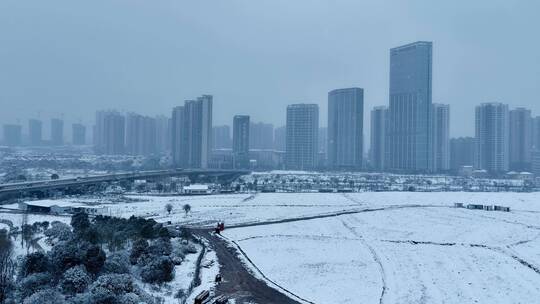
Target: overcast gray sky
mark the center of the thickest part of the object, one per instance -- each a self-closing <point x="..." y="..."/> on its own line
<point x="255" y="57"/>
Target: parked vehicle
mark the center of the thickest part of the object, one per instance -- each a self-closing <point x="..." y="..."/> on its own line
<point x="219" y="227"/>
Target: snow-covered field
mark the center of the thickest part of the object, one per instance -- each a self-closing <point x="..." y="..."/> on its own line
<point x="432" y="253"/>
<point x="397" y="247"/>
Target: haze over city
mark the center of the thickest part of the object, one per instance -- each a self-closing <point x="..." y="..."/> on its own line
<point x="256" y="57"/>
<point x="269" y="152"/>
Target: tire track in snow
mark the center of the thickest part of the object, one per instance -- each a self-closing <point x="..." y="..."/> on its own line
<point x="506" y="252"/>
<point x="332" y="214"/>
<point x="303" y="237"/>
<point x="350" y="198"/>
<point x="375" y="256"/>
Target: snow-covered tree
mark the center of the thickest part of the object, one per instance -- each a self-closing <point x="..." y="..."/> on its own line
<point x="46" y="296"/>
<point x="75" y="280"/>
<point x="187" y="208"/>
<point x="169" y="208"/>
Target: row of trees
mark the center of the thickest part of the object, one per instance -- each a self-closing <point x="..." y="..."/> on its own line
<point x="186" y="208"/>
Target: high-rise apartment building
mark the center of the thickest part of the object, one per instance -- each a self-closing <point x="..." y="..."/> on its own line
<point x="379" y="122"/>
<point x="261" y="136"/>
<point x="536" y="133"/>
<point x="323" y="141"/>
<point x="441" y="137"/>
<point x="35" y="131"/>
<point x="345" y="128"/>
<point x="222" y="137"/>
<point x="521" y="137"/>
<point x="302" y="136"/>
<point x="57" y="132"/>
<point x="461" y="152"/>
<point x="409" y="113"/>
<point x="12" y="135"/>
<point x="162" y="133"/>
<point x="192" y="133"/>
<point x="492" y="147"/>
<point x="280" y="138"/>
<point x="241" y="142"/>
<point x="323" y="148"/>
<point x="78" y="132"/>
<point x="109" y="133"/>
<point x="140" y="134"/>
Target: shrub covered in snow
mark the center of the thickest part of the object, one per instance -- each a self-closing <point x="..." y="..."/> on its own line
<point x="189" y="248"/>
<point x="117" y="262"/>
<point x="159" y="270"/>
<point x="48" y="296"/>
<point x="138" y="248"/>
<point x="33" y="263"/>
<point x="33" y="283"/>
<point x="117" y="289"/>
<point x="160" y="246"/>
<point x="75" y="280"/>
<point x="94" y="259"/>
<point x="58" y="231"/>
<point x="66" y="255"/>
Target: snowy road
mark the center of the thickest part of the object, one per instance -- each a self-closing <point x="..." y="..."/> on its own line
<point x="238" y="282"/>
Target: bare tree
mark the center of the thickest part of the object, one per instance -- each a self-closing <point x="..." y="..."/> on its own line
<point x="169" y="208"/>
<point x="7" y="266"/>
<point x="187" y="208"/>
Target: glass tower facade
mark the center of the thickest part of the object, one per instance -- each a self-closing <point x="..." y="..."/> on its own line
<point x="345" y="128"/>
<point x="409" y="129"/>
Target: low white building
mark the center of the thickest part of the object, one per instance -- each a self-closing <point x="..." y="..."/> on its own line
<point x="61" y="207"/>
<point x="196" y="189"/>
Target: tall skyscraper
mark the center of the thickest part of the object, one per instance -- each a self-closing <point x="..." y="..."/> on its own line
<point x="535" y="163"/>
<point x="57" y="132"/>
<point x="536" y="133"/>
<point x="109" y="133"/>
<point x="206" y="104"/>
<point x="261" y="136"/>
<point x="140" y="134"/>
<point x="12" y="135"/>
<point x="192" y="133"/>
<point x="78" y="133"/>
<point x="133" y="139"/>
<point x="35" y="130"/>
<point x="492" y="143"/>
<point x="345" y="128"/>
<point x="222" y="137"/>
<point x="241" y="141"/>
<point x="461" y="152"/>
<point x="441" y="133"/>
<point x="323" y="140"/>
<point x="280" y="138"/>
<point x="521" y="137"/>
<point x="98" y="133"/>
<point x="162" y="131"/>
<point x="409" y="113"/>
<point x="302" y="136"/>
<point x="379" y="122"/>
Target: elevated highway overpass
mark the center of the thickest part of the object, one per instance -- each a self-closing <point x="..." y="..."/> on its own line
<point x="21" y="189"/>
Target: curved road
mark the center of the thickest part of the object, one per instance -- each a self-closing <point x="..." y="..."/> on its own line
<point x="238" y="283"/>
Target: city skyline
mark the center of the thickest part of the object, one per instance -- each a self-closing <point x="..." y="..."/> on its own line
<point x="410" y="134"/>
<point x="466" y="65"/>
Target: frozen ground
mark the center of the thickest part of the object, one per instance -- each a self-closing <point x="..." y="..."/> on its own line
<point x="398" y="247"/>
<point x="413" y="254"/>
